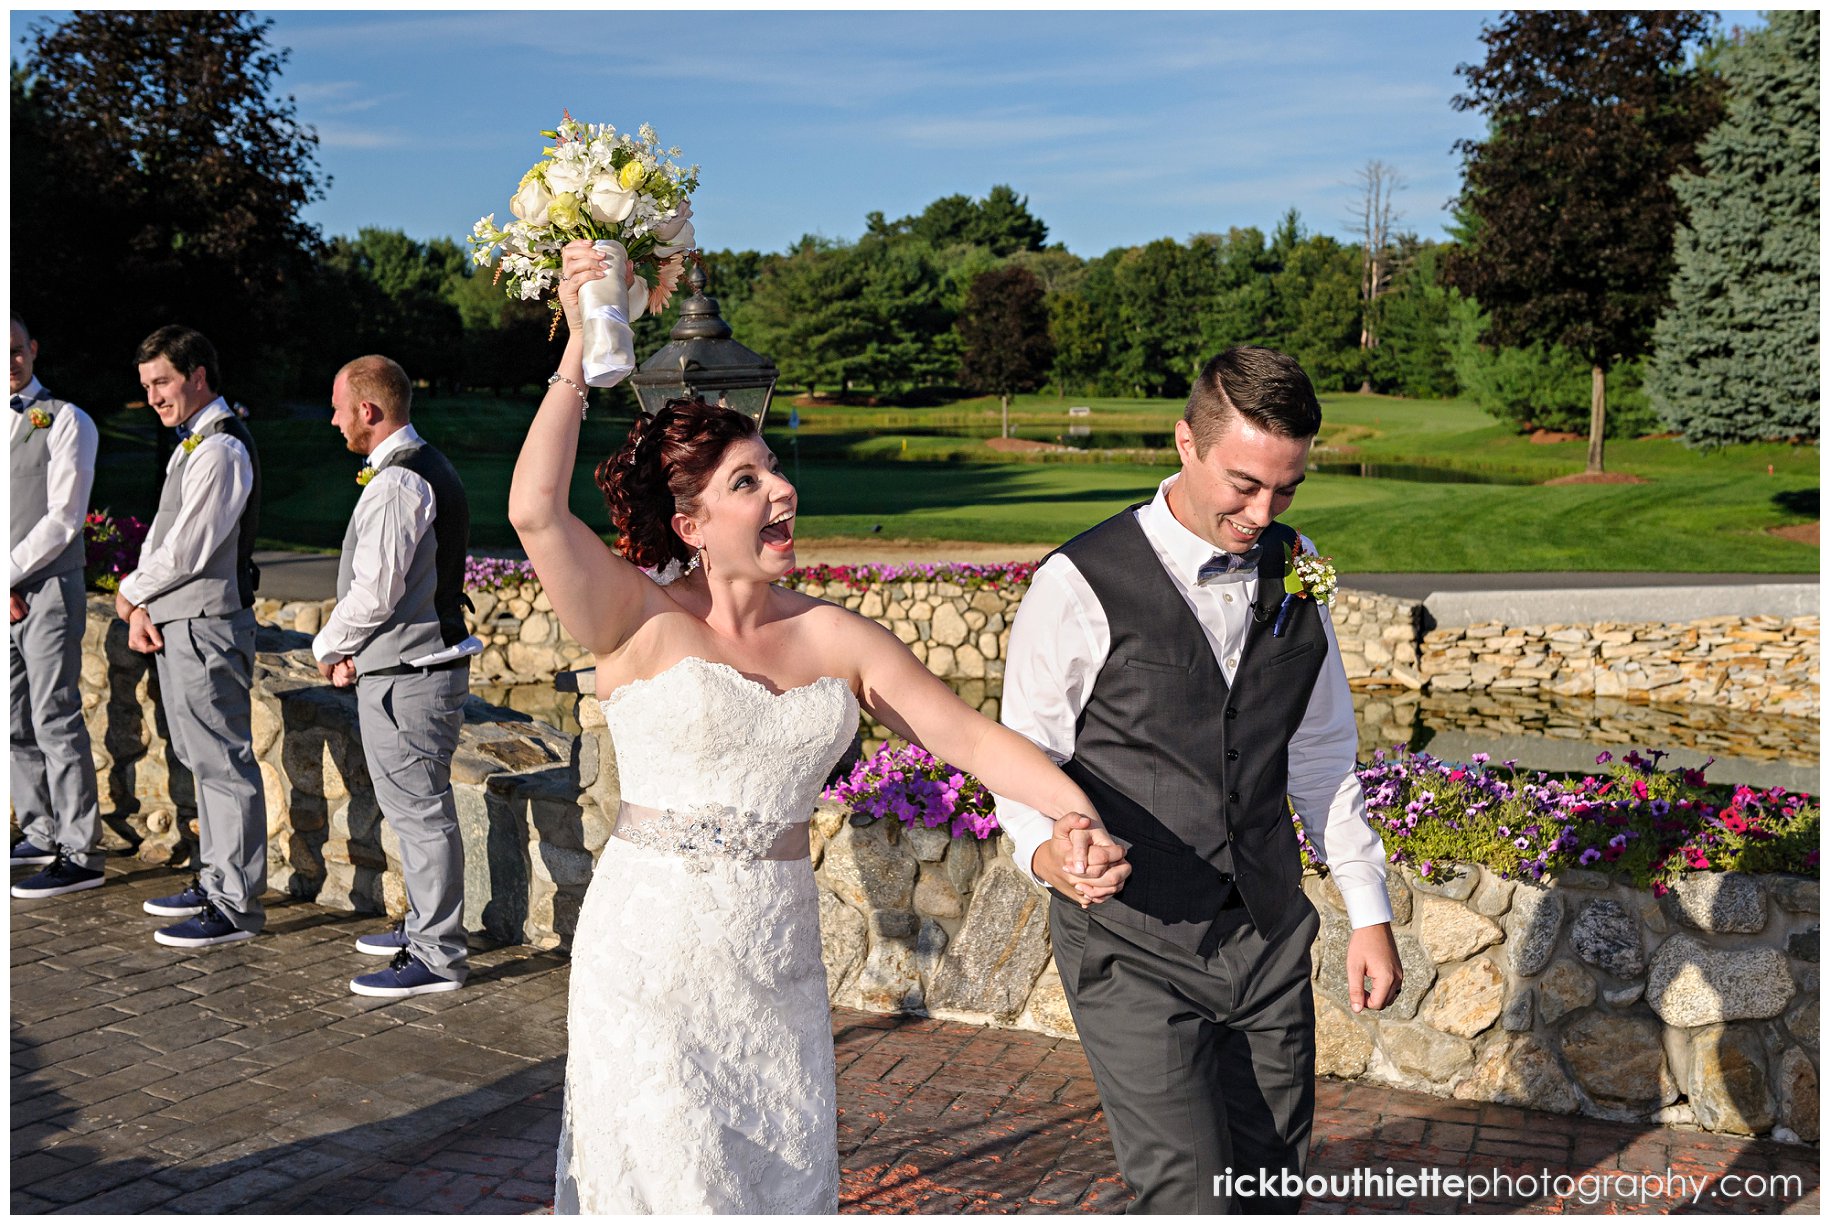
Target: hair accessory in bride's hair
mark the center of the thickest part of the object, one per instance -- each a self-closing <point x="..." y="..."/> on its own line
<point x="673" y="571"/>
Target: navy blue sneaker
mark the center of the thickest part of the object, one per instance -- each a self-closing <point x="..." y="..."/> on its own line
<point x="384" y="944"/>
<point x="179" y="905"/>
<point x="405" y="975"/>
<point x="202" y="930"/>
<point x="62" y="876"/>
<point x="25" y="851"/>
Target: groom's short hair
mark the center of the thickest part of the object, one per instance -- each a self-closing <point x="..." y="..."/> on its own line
<point x="381" y="382"/>
<point x="1266" y="387"/>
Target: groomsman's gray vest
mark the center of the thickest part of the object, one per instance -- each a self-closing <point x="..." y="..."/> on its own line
<point x="31" y="495"/>
<point x="225" y="582"/>
<point x="1193" y="774"/>
<point x="430" y="614"/>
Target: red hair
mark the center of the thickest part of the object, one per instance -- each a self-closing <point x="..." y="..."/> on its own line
<point x="660" y="471"/>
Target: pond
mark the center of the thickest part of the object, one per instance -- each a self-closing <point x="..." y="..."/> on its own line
<point x="1421" y="473"/>
<point x="1552" y="733"/>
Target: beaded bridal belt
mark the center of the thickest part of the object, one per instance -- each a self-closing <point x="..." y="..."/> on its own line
<point x="702" y="832"/>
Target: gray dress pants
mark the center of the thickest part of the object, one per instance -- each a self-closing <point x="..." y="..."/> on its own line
<point x="53" y="771"/>
<point x="410" y="729"/>
<point x="1202" y="1063"/>
<point x="205" y="673"/>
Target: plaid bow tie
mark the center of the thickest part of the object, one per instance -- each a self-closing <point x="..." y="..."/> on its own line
<point x="1226" y="563"/>
<point x="18" y="404"/>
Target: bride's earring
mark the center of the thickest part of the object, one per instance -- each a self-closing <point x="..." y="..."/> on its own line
<point x="693" y="562"/>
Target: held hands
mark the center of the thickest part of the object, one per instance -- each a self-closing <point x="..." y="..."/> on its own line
<point x="1372" y="954"/>
<point x="1081" y="860"/>
<point x="15" y="606"/>
<point x="142" y="635"/>
<point x="342" y="674"/>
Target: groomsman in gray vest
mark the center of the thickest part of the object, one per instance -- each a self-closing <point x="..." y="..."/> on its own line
<point x="398" y="635"/>
<point x="189" y="604"/>
<point x="1153" y="658"/>
<point x="53" y="466"/>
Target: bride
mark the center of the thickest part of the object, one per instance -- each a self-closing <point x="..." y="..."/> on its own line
<point x="700" y="1075"/>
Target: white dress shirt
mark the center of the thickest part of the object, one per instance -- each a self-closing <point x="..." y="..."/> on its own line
<point x="68" y="477"/>
<point x="392" y="516"/>
<point x="1059" y="643"/>
<point x="217" y="483"/>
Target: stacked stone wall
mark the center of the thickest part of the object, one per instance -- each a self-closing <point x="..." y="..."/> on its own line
<point x="1579" y="996"/>
<point x="1760" y="663"/>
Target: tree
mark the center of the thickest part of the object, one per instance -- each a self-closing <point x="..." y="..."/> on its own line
<point x="1592" y="113"/>
<point x="1372" y="222"/>
<point x="1538" y="386"/>
<point x="1005" y="332"/>
<point x="183" y="180"/>
<point x="1413" y="354"/>
<point x="1315" y="302"/>
<point x="1735" y="356"/>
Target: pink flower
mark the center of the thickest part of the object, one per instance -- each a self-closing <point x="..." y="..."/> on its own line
<point x="666" y="280"/>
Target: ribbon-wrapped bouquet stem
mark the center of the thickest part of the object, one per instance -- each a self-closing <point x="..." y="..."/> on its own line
<point x="627" y="194"/>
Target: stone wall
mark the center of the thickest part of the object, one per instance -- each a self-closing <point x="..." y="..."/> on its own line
<point x="1580" y="997"/>
<point x="1584" y="996"/>
<point x="527" y="832"/>
<point x="1743" y="663"/>
<point x="1755" y="663"/>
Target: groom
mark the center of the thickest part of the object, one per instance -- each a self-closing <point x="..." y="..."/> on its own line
<point x="1148" y="657"/>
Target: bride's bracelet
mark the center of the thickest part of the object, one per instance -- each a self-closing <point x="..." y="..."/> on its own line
<point x="583" y="401"/>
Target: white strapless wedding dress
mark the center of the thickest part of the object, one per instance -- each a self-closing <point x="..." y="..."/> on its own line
<point x="699" y="1076"/>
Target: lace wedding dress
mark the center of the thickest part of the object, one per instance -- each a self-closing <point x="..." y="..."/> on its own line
<point x="700" y="1072"/>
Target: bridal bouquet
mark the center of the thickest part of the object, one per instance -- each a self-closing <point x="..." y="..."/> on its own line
<point x="627" y="194"/>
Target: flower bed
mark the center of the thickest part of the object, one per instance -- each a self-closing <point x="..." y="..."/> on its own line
<point x="1644" y="825"/>
<point x="968" y="575"/>
<point x="914" y="786"/>
<point x="111" y="549"/>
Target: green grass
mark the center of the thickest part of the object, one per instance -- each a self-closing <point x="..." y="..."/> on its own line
<point x="925" y="474"/>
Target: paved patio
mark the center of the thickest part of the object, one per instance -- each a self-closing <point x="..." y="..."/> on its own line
<point x="247" y="1079"/>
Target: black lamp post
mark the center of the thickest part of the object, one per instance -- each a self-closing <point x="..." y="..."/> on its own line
<point x="700" y="358"/>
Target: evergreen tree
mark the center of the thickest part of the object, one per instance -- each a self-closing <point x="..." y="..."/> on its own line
<point x="1004" y="329"/>
<point x="1736" y="354"/>
<point x="1412" y="358"/>
<point x="1592" y="112"/>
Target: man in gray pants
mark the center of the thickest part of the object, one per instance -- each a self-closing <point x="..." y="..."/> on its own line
<point x="1160" y="658"/>
<point x="189" y="603"/>
<point x="398" y="635"/>
<point x="53" y="774"/>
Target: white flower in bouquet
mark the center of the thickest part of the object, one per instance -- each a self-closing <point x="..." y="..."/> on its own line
<point x="594" y="182"/>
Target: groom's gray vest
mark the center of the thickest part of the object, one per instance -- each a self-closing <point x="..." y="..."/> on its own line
<point x="31" y="495"/>
<point x="225" y="583"/>
<point x="430" y="614"/>
<point x="1191" y="773"/>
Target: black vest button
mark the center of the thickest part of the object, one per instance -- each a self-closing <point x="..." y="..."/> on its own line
<point x="1231" y="712"/>
<point x="1232" y="754"/>
<point x="1232" y="797"/>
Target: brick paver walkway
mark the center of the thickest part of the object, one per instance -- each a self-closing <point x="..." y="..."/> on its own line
<point x="247" y="1078"/>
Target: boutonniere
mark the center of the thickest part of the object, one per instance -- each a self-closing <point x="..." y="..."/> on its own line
<point x="1307" y="576"/>
<point x="366" y="475"/>
<point x="192" y="443"/>
<point x="40" y="419"/>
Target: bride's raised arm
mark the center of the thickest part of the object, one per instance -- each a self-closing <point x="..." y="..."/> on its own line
<point x="598" y="596"/>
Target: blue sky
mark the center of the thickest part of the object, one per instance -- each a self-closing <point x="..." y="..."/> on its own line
<point x="1120" y="128"/>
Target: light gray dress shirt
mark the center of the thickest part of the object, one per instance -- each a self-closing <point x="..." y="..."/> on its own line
<point x="217" y="482"/>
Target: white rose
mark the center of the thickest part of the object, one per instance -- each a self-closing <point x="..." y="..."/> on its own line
<point x="530" y="203"/>
<point x="608" y="202"/>
<point x="564" y="175"/>
<point x="681" y="240"/>
<point x="666" y="230"/>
